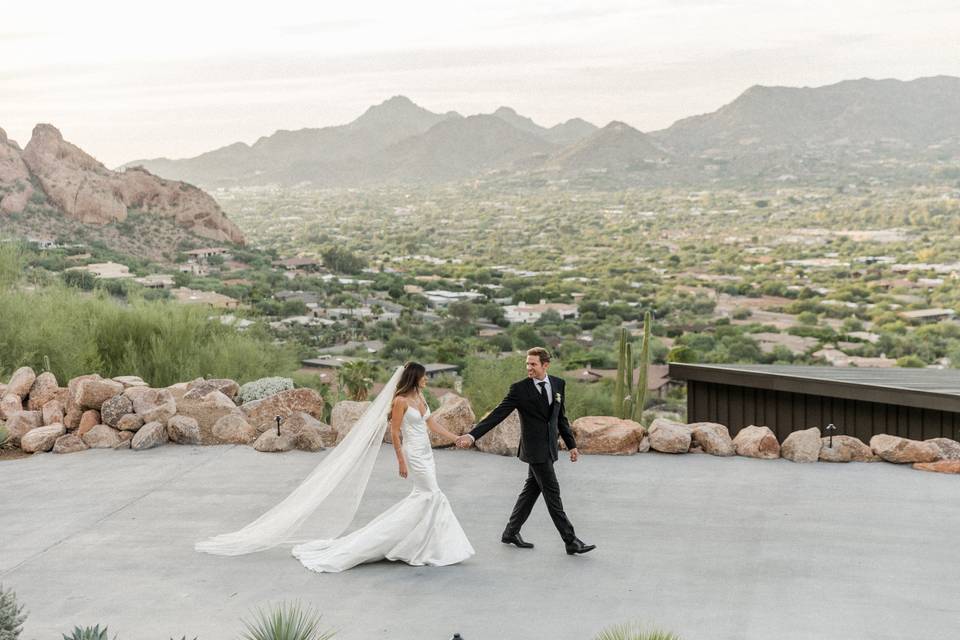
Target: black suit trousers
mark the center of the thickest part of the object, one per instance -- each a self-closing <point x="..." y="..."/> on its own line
<point x="541" y="480"/>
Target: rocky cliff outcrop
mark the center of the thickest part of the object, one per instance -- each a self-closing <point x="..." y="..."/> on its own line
<point x="85" y="190"/>
<point x="15" y="187"/>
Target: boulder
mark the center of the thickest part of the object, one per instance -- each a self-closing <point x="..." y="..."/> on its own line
<point x="153" y="405"/>
<point x="41" y="438"/>
<point x="644" y="444"/>
<point x="669" y="437"/>
<point x="73" y="410"/>
<point x="150" y="435"/>
<point x="262" y="413"/>
<point x="711" y="438"/>
<point x="344" y="415"/>
<point x="199" y="388"/>
<point x="52" y="412"/>
<point x="311" y="438"/>
<point x="43" y="390"/>
<point x="949" y="449"/>
<point x="101" y="437"/>
<point x="298" y="421"/>
<point x="455" y="415"/>
<point x="130" y="381"/>
<point x="131" y="422"/>
<point x="903" y="450"/>
<point x="20" y="422"/>
<point x="10" y="404"/>
<point x="757" y="442"/>
<point x="941" y="466"/>
<point x="802" y="446"/>
<point x="21" y="381"/>
<point x="69" y="443"/>
<point x="115" y="408"/>
<point x="503" y="439"/>
<point x="179" y="389"/>
<point x="270" y="442"/>
<point x="3" y="389"/>
<point x="206" y="411"/>
<point x="607" y="435"/>
<point x="234" y="429"/>
<point x="183" y="430"/>
<point x="92" y="393"/>
<point x="846" y="449"/>
<point x="263" y="388"/>
<point x="89" y="419"/>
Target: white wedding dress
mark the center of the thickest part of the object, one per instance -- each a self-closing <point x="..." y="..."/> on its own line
<point x="420" y="530"/>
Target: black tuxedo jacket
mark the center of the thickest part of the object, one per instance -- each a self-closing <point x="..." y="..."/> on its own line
<point x="540" y="423"/>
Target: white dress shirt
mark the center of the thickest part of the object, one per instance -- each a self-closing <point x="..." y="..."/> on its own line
<point x="548" y="388"/>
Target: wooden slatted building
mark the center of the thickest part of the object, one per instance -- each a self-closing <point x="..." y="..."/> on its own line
<point x="912" y="403"/>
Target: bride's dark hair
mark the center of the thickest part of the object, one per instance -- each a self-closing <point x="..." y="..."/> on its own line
<point x="410" y="378"/>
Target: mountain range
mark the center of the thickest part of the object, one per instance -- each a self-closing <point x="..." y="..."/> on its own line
<point x="853" y="126"/>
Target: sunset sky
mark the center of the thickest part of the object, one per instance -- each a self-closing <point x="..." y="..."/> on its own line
<point x="131" y="80"/>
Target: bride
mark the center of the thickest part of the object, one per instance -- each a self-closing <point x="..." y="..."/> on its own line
<point x="420" y="530"/>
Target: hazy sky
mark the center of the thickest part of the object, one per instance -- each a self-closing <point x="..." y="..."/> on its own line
<point x="126" y="80"/>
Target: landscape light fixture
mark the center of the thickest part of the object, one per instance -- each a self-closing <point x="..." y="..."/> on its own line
<point x="278" y="419"/>
<point x="830" y="429"/>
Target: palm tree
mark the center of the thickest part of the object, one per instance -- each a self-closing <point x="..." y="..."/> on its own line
<point x="357" y="379"/>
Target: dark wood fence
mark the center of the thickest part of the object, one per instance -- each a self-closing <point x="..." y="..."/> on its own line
<point x="784" y="411"/>
<point x="916" y="404"/>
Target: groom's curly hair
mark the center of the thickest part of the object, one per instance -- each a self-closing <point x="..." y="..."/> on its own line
<point x="541" y="353"/>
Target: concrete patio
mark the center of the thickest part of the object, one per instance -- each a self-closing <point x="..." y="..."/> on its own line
<point x="708" y="548"/>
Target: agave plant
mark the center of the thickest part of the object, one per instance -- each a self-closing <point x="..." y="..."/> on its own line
<point x="87" y="633"/>
<point x="287" y="621"/>
<point x="11" y="615"/>
<point x="634" y="632"/>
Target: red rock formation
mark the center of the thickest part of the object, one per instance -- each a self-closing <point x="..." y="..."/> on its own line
<point x="83" y="189"/>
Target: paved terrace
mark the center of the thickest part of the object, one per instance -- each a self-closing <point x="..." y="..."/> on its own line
<point x="707" y="547"/>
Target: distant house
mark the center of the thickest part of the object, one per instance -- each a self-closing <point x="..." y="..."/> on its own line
<point x="435" y="369"/>
<point x="797" y="345"/>
<point x="106" y="270"/>
<point x="838" y="358"/>
<point x="443" y="298"/>
<point x="370" y="346"/>
<point x="202" y="255"/>
<point x="210" y="298"/>
<point x="658" y="378"/>
<point x="330" y="361"/>
<point x="42" y="242"/>
<point x="156" y="281"/>
<point x="530" y="313"/>
<point x="924" y="316"/>
<point x="292" y="264"/>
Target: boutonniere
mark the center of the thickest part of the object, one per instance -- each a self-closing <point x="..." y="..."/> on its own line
<point x="559" y="397"/>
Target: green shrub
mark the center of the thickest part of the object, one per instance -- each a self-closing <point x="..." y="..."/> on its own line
<point x="87" y="633"/>
<point x="287" y="621"/>
<point x="4" y="434"/>
<point x="11" y="615"/>
<point x="634" y="632"/>
<point x="161" y="342"/>
<point x="263" y="388"/>
<point x="486" y="380"/>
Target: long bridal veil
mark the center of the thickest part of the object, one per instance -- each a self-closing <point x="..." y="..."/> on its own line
<point x="332" y="491"/>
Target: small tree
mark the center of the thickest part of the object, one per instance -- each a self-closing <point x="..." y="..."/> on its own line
<point x="357" y="379"/>
<point x="12" y="616"/>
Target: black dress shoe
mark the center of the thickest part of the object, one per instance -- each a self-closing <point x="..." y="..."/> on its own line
<point x="577" y="546"/>
<point x="517" y="540"/>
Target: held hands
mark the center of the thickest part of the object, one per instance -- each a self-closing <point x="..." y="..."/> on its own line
<point x="465" y="441"/>
<point x="574" y="455"/>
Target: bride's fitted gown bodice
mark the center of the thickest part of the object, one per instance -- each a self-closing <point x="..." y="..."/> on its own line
<point x="420" y="530"/>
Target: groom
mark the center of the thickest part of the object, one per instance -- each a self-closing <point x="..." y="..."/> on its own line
<point x="539" y="401"/>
